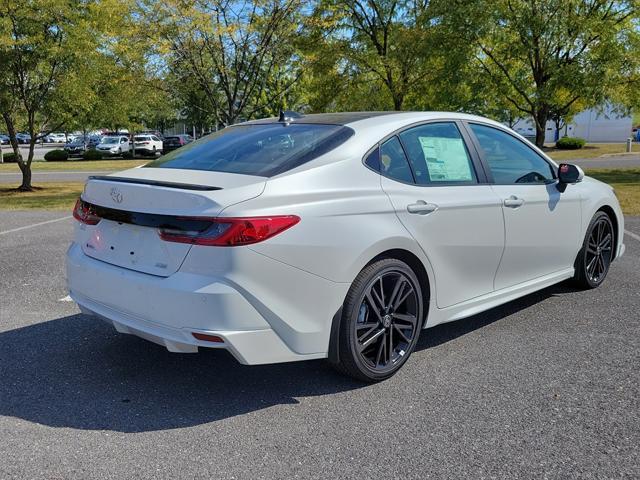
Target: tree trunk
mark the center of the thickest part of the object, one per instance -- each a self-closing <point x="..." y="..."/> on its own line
<point x="11" y="131"/>
<point x="26" y="178"/>
<point x="541" y="118"/>
<point x="26" y="168"/>
<point x="398" y="101"/>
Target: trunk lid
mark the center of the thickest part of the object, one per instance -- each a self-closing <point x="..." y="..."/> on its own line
<point x="156" y="196"/>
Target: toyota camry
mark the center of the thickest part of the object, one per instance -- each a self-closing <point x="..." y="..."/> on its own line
<point x="336" y="236"/>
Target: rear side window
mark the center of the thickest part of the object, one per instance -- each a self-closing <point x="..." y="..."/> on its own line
<point x="393" y="162"/>
<point x="438" y="154"/>
<point x="263" y="150"/>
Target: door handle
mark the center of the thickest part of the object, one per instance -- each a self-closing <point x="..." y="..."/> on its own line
<point x="513" y="202"/>
<point x="421" y="207"/>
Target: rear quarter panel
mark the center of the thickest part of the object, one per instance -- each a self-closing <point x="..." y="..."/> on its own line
<point x="346" y="219"/>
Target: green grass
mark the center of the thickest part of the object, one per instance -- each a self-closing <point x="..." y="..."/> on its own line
<point x="49" y="196"/>
<point x="76" y="166"/>
<point x="626" y="183"/>
<point x="590" y="150"/>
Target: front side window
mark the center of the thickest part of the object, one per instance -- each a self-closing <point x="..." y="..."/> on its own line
<point x="438" y="154"/>
<point x="258" y="149"/>
<point x="393" y="161"/>
<point x="509" y="159"/>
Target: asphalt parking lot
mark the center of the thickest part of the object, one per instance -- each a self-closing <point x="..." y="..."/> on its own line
<point x="547" y="386"/>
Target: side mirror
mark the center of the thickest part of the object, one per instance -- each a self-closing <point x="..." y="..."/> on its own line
<point x="568" y="174"/>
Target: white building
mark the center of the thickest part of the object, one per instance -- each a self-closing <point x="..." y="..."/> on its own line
<point x="594" y="125"/>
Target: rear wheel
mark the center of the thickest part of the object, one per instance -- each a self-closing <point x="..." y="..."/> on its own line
<point x="381" y="321"/>
<point x="594" y="259"/>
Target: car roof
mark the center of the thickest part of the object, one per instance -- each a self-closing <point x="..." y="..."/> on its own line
<point x="365" y="118"/>
<point x="337" y="118"/>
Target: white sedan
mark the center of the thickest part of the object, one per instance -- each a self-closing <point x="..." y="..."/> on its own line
<point x="336" y="236"/>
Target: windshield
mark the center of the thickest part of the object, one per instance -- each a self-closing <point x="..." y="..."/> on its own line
<point x="263" y="150"/>
<point x="141" y="139"/>
<point x="110" y="140"/>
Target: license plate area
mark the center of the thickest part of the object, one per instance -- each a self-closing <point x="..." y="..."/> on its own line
<point x="134" y="247"/>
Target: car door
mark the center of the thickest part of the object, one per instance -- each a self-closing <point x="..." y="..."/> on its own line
<point x="542" y="225"/>
<point x="439" y="193"/>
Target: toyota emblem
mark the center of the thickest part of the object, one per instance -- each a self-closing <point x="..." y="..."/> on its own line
<point x="116" y="195"/>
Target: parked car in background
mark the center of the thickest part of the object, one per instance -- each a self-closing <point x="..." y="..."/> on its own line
<point x="176" y="141"/>
<point x="81" y="144"/>
<point x="23" y="138"/>
<point x="55" y="137"/>
<point x="114" y="145"/>
<point x="147" y="145"/>
<point x="152" y="132"/>
<point x="4" y="139"/>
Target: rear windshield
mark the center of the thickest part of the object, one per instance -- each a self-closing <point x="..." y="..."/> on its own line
<point x="263" y="150"/>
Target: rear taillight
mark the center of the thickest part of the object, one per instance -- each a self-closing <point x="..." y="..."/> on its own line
<point x="85" y="213"/>
<point x="232" y="232"/>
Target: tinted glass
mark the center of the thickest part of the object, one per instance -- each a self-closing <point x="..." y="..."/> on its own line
<point x="438" y="154"/>
<point x="509" y="159"/>
<point x="393" y="162"/>
<point x="263" y="150"/>
<point x="373" y="160"/>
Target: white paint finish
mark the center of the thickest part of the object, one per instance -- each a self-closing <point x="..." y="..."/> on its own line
<point x="131" y="246"/>
<point x="542" y="236"/>
<point x="154" y="199"/>
<point x="463" y="238"/>
<point x="275" y="300"/>
<point x="33" y="225"/>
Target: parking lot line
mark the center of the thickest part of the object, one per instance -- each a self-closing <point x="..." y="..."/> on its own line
<point x="35" y="225"/>
<point x="632" y="235"/>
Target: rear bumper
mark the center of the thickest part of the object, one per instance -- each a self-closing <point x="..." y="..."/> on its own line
<point x="147" y="151"/>
<point x="168" y="310"/>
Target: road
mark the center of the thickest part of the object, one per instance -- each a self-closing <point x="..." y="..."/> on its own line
<point x="38" y="152"/>
<point x="618" y="161"/>
<point x="38" y="177"/>
<point x="546" y="386"/>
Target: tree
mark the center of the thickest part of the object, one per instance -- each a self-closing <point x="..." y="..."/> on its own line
<point x="42" y="45"/>
<point x="546" y="56"/>
<point x="376" y="43"/>
<point x="241" y="55"/>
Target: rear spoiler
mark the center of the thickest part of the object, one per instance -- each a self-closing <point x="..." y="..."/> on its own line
<point x="155" y="183"/>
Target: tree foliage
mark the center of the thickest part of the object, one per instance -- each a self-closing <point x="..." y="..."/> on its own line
<point x="550" y="58"/>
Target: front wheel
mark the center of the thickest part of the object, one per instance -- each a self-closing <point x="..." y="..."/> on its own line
<point x="381" y="321"/>
<point x="594" y="259"/>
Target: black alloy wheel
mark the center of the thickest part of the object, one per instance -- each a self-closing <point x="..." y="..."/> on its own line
<point x="381" y="322"/>
<point x="594" y="260"/>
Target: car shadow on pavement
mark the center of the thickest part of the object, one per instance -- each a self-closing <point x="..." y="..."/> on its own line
<point x="75" y="372"/>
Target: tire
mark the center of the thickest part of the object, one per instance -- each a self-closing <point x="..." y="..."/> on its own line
<point x="593" y="260"/>
<point x="378" y="332"/>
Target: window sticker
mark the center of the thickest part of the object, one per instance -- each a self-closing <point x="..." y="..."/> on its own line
<point x="447" y="159"/>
